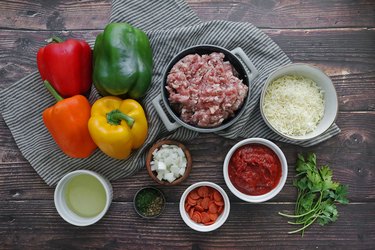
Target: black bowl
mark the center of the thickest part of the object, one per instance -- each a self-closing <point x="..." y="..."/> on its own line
<point x="202" y="50"/>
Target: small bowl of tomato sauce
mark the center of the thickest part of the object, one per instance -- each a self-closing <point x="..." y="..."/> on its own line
<point x="204" y="206"/>
<point x="255" y="170"/>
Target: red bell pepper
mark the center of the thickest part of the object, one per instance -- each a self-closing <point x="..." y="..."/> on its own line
<point x="67" y="66"/>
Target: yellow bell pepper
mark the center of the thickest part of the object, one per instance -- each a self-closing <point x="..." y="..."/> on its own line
<point x="117" y="126"/>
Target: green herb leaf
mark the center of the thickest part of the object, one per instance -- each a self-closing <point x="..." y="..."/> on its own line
<point x="315" y="181"/>
<point x="341" y="193"/>
<point x="317" y="194"/>
<point x="328" y="213"/>
<point x="311" y="157"/>
<point x="326" y="174"/>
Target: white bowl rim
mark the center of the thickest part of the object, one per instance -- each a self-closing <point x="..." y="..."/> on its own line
<point x="273" y="192"/>
<point x="200" y="227"/>
<point x="310" y="135"/>
<point x="68" y="215"/>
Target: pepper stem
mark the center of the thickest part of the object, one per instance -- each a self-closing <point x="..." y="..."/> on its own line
<point x="54" y="39"/>
<point x="115" y="116"/>
<point x="53" y="91"/>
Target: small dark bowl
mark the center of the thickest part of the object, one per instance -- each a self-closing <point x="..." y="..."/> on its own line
<point x="153" y="174"/>
<point x="141" y="214"/>
<point x="202" y="50"/>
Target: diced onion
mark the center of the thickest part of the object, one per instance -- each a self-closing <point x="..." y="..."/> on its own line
<point x="169" y="162"/>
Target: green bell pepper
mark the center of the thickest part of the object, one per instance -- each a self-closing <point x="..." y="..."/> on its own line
<point x="122" y="61"/>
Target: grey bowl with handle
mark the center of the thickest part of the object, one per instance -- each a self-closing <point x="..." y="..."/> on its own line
<point x="235" y="57"/>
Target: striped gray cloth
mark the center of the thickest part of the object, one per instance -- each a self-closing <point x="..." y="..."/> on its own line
<point x="171" y="26"/>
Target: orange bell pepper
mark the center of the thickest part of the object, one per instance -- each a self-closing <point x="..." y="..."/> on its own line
<point x="67" y="123"/>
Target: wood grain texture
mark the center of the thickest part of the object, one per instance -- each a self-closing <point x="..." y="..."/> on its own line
<point x="54" y="15"/>
<point x="347" y="55"/>
<point x="289" y="13"/>
<point x="92" y="14"/>
<point x="337" y="36"/>
<point x="356" y="137"/>
<point x="35" y="225"/>
<point x="351" y="145"/>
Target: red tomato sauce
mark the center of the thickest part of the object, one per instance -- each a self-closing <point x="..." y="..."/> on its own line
<point x="254" y="169"/>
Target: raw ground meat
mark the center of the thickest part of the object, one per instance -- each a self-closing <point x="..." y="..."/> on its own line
<point x="204" y="89"/>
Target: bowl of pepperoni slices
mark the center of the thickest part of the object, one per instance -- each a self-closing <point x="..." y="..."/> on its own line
<point x="204" y="206"/>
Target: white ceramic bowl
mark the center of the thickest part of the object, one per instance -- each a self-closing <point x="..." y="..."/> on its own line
<point x="62" y="207"/>
<point x="273" y="192"/>
<point x="323" y="81"/>
<point x="197" y="226"/>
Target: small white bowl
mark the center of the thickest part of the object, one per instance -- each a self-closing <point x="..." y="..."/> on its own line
<point x="62" y="207"/>
<point x="273" y="192"/>
<point x="201" y="227"/>
<point x="323" y="81"/>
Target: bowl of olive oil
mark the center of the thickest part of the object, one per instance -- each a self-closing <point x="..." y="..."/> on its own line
<point x="83" y="197"/>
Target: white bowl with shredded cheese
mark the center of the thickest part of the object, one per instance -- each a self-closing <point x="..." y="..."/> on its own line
<point x="299" y="102"/>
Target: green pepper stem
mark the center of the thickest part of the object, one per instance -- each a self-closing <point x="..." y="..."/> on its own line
<point x="115" y="116"/>
<point x="53" y="91"/>
<point x="54" y="39"/>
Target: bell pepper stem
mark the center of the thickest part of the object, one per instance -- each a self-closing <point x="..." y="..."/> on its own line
<point x="115" y="116"/>
<point x="54" y="39"/>
<point x="53" y="91"/>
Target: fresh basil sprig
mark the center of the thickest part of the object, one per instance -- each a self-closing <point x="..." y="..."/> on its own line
<point x="317" y="194"/>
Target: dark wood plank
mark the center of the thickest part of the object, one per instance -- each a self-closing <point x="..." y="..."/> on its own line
<point x="337" y="36"/>
<point x="54" y="15"/>
<point x="335" y="49"/>
<point x="290" y="13"/>
<point x="349" y="154"/>
<point x="348" y="56"/>
<point x="91" y="14"/>
<point x="36" y="225"/>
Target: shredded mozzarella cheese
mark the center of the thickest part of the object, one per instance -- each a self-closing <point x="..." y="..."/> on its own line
<point x="169" y="162"/>
<point x="294" y="105"/>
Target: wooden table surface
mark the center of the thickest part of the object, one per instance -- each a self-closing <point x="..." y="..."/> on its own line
<point x="337" y="36"/>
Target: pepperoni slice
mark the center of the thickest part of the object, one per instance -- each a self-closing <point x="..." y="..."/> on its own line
<point x="204" y="205"/>
<point x="191" y="201"/>
<point x="205" y="202"/>
<point x="203" y="191"/>
<point x="219" y="203"/>
<point x="220" y="210"/>
<point x="213" y="217"/>
<point x="187" y="207"/>
<point x="209" y="223"/>
<point x="199" y="208"/>
<point x="217" y="196"/>
<point x="194" y="195"/>
<point x="197" y="217"/>
<point x="191" y="212"/>
<point x="213" y="208"/>
<point x="205" y="217"/>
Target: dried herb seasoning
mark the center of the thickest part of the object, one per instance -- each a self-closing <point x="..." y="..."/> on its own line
<point x="149" y="202"/>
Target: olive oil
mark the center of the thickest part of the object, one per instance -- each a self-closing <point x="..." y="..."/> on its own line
<point x="85" y="195"/>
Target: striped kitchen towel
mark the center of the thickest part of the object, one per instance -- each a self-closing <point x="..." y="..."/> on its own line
<point x="171" y="26"/>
